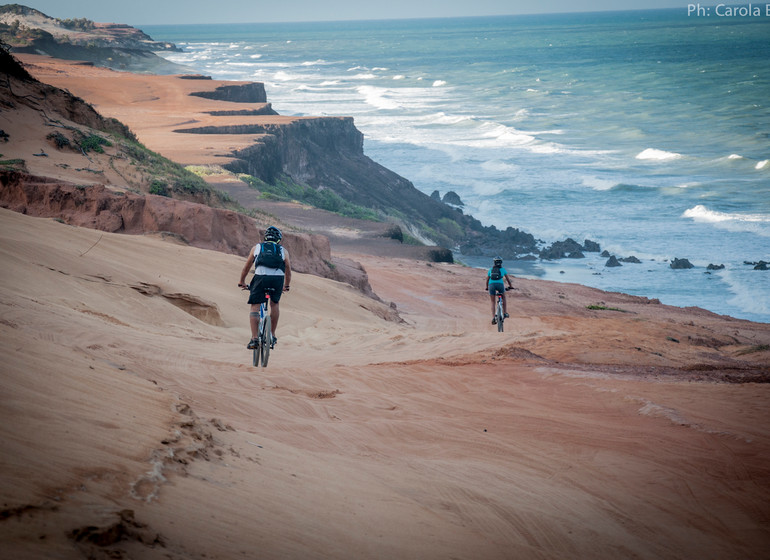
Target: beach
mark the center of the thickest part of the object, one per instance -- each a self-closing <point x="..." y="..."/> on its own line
<point x="598" y="425"/>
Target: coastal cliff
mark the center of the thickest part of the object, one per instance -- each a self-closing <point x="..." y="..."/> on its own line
<point x="328" y="153"/>
<point x="112" y="45"/>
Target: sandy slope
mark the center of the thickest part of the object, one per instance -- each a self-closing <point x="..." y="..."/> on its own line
<point x="133" y="426"/>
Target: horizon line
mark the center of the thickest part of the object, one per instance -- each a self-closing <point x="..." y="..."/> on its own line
<point x="421" y="18"/>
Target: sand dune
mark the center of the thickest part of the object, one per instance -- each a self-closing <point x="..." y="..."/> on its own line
<point x="134" y="426"/>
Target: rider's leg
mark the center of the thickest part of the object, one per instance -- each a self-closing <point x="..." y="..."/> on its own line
<point x="254" y="320"/>
<point x="275" y="313"/>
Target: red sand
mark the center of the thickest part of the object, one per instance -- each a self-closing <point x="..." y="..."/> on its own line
<point x="134" y="426"/>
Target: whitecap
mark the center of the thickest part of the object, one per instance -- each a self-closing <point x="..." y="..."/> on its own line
<point x="703" y="214"/>
<point x="500" y="168"/>
<point x="747" y="288"/>
<point x="735" y="156"/>
<point x="399" y="77"/>
<point x="377" y="97"/>
<point x="255" y="56"/>
<point x="598" y="184"/>
<point x="731" y="221"/>
<point x="762" y="164"/>
<point x="443" y="118"/>
<point x="283" y="76"/>
<point x="658" y="155"/>
<point x="439" y="83"/>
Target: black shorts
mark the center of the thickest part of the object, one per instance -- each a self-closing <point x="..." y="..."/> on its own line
<point x="258" y="285"/>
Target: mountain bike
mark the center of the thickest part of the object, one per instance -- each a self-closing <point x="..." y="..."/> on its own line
<point x="265" y="342"/>
<point x="499" y="313"/>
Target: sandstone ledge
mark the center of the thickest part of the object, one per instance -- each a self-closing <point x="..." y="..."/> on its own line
<point x="99" y="207"/>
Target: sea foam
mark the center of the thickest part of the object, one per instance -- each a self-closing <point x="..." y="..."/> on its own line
<point x="659" y="155"/>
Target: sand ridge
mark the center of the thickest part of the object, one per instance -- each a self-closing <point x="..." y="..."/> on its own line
<point x="431" y="437"/>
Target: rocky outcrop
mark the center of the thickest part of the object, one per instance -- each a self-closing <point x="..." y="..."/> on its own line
<point x="98" y="207"/>
<point x="681" y="264"/>
<point x="252" y="92"/>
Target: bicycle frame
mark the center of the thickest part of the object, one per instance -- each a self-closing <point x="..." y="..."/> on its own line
<point x="499" y="313"/>
<point x="264" y="334"/>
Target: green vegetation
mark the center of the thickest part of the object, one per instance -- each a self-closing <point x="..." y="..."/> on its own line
<point x="92" y="143"/>
<point x="172" y="176"/>
<point x="59" y="139"/>
<point x="286" y="189"/>
<point x="159" y="187"/>
<point x="18" y="35"/>
<point x="605" y="308"/>
<point x="753" y="349"/>
<point x="12" y="163"/>
<point x="76" y="24"/>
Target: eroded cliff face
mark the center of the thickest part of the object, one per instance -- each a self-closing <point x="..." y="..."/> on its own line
<point x="202" y="226"/>
<point x="328" y="153"/>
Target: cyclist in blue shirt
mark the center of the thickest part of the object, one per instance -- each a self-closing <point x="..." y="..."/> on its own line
<point x="496" y="278"/>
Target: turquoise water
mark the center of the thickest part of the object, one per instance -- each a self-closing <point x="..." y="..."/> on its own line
<point x="646" y="131"/>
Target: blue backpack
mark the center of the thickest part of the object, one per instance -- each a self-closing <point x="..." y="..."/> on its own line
<point x="270" y="256"/>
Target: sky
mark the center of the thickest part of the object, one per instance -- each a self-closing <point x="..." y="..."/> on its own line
<point x="151" y="12"/>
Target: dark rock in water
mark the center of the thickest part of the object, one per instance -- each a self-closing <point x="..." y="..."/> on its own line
<point x="560" y="249"/>
<point x="453" y="199"/>
<point x="605" y="254"/>
<point x="762" y="265"/>
<point x="715" y="267"/>
<point x="591" y="246"/>
<point x="612" y="261"/>
<point x="435" y="195"/>
<point x="681" y="264"/>
<point x="631" y="259"/>
<point x="576" y="255"/>
<point x="510" y="243"/>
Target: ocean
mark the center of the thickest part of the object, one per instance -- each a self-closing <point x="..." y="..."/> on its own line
<point x="645" y="131"/>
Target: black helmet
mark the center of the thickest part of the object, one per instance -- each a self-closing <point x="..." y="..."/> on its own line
<point x="498" y="261"/>
<point x="273" y="234"/>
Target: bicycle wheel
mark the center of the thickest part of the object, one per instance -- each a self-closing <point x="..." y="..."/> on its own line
<point x="500" y="317"/>
<point x="255" y="355"/>
<point x="265" y="338"/>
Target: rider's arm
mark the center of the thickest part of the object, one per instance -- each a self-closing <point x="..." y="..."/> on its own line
<point x="246" y="268"/>
<point x="508" y="278"/>
<point x="487" y="288"/>
<point x="287" y="273"/>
